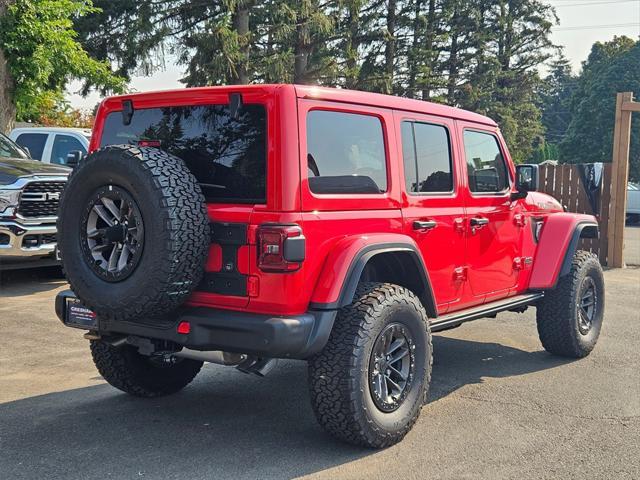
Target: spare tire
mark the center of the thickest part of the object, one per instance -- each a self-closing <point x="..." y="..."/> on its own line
<point x="133" y="232"/>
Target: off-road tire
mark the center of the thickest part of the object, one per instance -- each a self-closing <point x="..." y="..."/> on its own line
<point x="127" y="370"/>
<point x="557" y="313"/>
<point x="176" y="226"/>
<point x="338" y="376"/>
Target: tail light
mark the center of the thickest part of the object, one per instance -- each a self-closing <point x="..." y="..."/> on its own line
<point x="281" y="248"/>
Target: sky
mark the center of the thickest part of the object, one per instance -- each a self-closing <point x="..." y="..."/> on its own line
<point x="582" y="23"/>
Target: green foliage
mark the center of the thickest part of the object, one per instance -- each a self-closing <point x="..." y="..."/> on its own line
<point x="555" y="94"/>
<point x="546" y="151"/>
<point x="476" y="54"/>
<point x="43" y="53"/>
<point x="612" y="67"/>
<point x="61" y="114"/>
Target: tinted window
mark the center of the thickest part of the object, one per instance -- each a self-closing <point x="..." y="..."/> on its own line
<point x="8" y="149"/>
<point x="227" y="155"/>
<point x="34" y="142"/>
<point x="427" y="158"/>
<point x="62" y="145"/>
<point x="345" y="153"/>
<point x="485" y="165"/>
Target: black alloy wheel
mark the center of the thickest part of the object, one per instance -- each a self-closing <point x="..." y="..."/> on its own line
<point x="391" y="367"/>
<point x="113" y="233"/>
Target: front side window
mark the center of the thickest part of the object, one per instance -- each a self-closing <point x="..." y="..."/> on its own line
<point x="62" y="146"/>
<point x="427" y="158"/>
<point x="35" y="142"/>
<point x="227" y="154"/>
<point x="485" y="165"/>
<point x="345" y="153"/>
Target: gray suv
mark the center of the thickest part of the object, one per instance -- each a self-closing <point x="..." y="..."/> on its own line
<point x="29" y="195"/>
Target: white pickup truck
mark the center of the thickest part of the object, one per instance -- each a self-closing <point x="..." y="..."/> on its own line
<point x="633" y="203"/>
<point x="52" y="144"/>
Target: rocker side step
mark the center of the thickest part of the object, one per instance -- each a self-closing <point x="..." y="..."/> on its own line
<point x="456" y="318"/>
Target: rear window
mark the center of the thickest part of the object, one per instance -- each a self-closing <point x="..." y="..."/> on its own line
<point x="35" y="142"/>
<point x="227" y="155"/>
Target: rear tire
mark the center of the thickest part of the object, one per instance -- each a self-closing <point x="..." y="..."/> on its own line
<point x="569" y="317"/>
<point x="347" y="376"/>
<point x="139" y="375"/>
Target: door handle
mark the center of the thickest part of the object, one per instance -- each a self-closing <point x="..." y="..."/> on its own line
<point x="479" y="221"/>
<point x="424" y="224"/>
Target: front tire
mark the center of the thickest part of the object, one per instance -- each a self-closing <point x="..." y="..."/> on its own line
<point x="569" y="317"/>
<point x="370" y="381"/>
<point x="139" y="375"/>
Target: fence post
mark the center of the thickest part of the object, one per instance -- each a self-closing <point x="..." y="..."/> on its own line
<point x="619" y="178"/>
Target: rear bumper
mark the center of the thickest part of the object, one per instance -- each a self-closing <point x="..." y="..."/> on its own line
<point x="273" y="336"/>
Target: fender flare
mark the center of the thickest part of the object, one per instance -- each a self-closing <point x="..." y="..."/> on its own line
<point x="365" y="252"/>
<point x="557" y="246"/>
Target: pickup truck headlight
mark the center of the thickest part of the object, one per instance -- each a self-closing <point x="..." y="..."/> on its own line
<point x="8" y="198"/>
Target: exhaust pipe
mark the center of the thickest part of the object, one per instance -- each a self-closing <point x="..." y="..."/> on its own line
<point x="244" y="363"/>
<point x="218" y="357"/>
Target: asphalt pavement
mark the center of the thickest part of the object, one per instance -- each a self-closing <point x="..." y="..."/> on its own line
<point x="631" y="252"/>
<point x="500" y="407"/>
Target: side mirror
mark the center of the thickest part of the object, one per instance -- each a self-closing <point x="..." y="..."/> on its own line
<point x="74" y="158"/>
<point x="26" y="150"/>
<point x="526" y="179"/>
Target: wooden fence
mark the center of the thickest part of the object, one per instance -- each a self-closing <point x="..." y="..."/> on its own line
<point x="565" y="184"/>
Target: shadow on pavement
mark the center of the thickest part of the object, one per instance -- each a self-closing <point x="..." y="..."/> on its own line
<point x="225" y="425"/>
<point x="17" y="283"/>
<point x="462" y="362"/>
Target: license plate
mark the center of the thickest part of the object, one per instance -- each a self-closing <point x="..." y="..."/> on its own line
<point x="79" y="316"/>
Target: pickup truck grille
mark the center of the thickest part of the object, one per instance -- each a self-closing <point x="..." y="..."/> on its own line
<point x="40" y="199"/>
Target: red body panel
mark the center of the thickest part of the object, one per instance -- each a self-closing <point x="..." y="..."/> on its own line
<point x="466" y="267"/>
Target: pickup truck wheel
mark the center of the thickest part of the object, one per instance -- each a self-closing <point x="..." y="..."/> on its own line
<point x="370" y="381"/>
<point x="124" y="368"/>
<point x="569" y="317"/>
<point x="134" y="232"/>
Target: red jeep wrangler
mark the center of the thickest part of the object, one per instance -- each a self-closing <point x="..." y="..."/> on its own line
<point x="242" y="224"/>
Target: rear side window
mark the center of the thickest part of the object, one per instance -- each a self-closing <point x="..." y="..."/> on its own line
<point x="485" y="165"/>
<point x="345" y="153"/>
<point x="62" y="146"/>
<point x="227" y="155"/>
<point x="427" y="158"/>
<point x="35" y="142"/>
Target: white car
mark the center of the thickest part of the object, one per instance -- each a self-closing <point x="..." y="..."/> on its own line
<point x="52" y="144"/>
<point x="633" y="203"/>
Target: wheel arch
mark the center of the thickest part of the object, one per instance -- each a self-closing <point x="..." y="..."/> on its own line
<point x="558" y="244"/>
<point x="395" y="261"/>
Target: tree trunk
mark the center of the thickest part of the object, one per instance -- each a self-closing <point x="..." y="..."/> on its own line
<point x="241" y="27"/>
<point x="415" y="47"/>
<point x="390" y="47"/>
<point x="352" y="46"/>
<point x="453" y="70"/>
<point x="430" y="41"/>
<point x="302" y="48"/>
<point x="7" y="104"/>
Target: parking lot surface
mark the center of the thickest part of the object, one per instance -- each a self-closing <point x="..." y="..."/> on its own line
<point x="632" y="245"/>
<point x="500" y="407"/>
